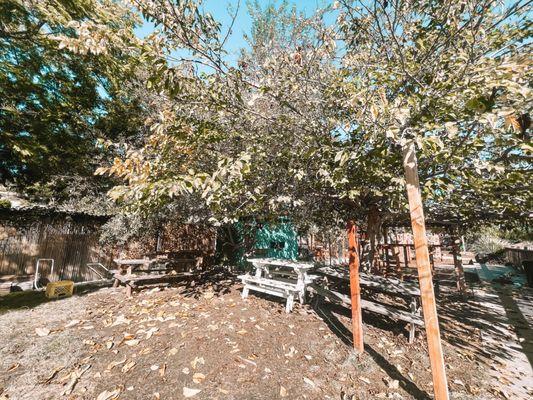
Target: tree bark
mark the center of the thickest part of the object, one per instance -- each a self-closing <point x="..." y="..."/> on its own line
<point x="373" y="231"/>
<point x="458" y="262"/>
<point x="424" y="272"/>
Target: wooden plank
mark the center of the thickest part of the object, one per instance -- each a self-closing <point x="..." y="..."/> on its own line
<point x="382" y="284"/>
<point x="355" y="289"/>
<point x="133" y="261"/>
<point x="282" y="263"/>
<point x="378" y="308"/>
<point x="247" y="279"/>
<point x="429" y="307"/>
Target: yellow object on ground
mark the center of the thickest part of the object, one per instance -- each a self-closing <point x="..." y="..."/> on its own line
<point x="59" y="289"/>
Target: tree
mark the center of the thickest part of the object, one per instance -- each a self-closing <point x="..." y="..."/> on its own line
<point x="307" y="128"/>
<point x="61" y="65"/>
<point x="454" y="77"/>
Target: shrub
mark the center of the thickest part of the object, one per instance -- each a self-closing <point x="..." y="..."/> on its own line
<point x="5" y="203"/>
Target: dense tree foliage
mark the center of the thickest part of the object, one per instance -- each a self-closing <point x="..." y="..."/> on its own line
<point x="310" y="121"/>
<point x="61" y="67"/>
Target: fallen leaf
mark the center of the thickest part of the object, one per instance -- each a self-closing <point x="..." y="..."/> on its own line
<point x="198" y="377"/>
<point x="13" y="367"/>
<point x="186" y="371"/>
<point x="309" y="382"/>
<point x="53" y="374"/>
<point x="173" y="351"/>
<point x="242" y="332"/>
<point x="197" y="360"/>
<point x="109" y="395"/>
<point x="121" y="319"/>
<point x="72" y="323"/>
<point x="74" y="377"/>
<point x="154" y="367"/>
<point x="42" y="331"/>
<point x="188" y="392"/>
<point x="282" y="391"/>
<point x="150" y="332"/>
<point x="162" y="370"/>
<point x="394" y="384"/>
<point x="365" y="380"/>
<point x="458" y="382"/>
<point x="292" y="352"/>
<point x="132" y="342"/>
<point x="128" y="366"/>
<point x="113" y="364"/>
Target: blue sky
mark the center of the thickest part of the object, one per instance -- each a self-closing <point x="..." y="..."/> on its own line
<point x="219" y="10"/>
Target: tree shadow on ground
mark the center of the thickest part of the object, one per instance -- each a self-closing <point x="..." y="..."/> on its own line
<point x="218" y="280"/>
<point x="326" y="312"/>
<point x="32" y="298"/>
<point x="491" y="312"/>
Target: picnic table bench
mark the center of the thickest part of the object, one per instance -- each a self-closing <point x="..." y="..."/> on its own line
<point x="408" y="290"/>
<point x="267" y="279"/>
<point x="134" y="281"/>
<point x="153" y="271"/>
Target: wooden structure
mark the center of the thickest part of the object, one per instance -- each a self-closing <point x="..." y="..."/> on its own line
<point x="517" y="256"/>
<point x="336" y="277"/>
<point x="282" y="278"/>
<point x="429" y="306"/>
<point x="355" y="289"/>
<point x="134" y="273"/>
<point x="71" y="239"/>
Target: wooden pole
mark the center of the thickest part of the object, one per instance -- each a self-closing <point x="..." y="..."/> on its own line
<point x="458" y="262"/>
<point x="355" y="290"/>
<point x="429" y="307"/>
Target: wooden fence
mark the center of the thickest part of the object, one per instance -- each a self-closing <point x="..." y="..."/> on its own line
<point x="516" y="256"/>
<point x="71" y="240"/>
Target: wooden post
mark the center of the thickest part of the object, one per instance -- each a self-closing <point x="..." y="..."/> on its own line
<point x="429" y="307"/>
<point x="405" y="257"/>
<point x="458" y="262"/>
<point x="355" y="290"/>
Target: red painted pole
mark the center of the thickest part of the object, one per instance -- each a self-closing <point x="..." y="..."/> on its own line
<point x="355" y="289"/>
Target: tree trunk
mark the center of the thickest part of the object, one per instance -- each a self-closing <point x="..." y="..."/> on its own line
<point x="424" y="272"/>
<point x="458" y="262"/>
<point x="373" y="232"/>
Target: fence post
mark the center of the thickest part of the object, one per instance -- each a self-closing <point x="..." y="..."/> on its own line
<point x="429" y="307"/>
<point x="355" y="290"/>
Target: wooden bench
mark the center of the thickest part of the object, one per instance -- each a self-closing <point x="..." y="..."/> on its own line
<point x="408" y="290"/>
<point x="273" y="287"/>
<point x="273" y="276"/>
<point x="134" y="281"/>
<point x="413" y="318"/>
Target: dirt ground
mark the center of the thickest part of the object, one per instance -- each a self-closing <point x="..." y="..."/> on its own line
<point x="205" y="342"/>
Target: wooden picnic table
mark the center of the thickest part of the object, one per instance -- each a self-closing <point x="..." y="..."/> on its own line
<point x="266" y="279"/>
<point x="391" y="286"/>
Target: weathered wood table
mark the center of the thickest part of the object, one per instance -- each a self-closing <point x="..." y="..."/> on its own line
<point x="268" y="278"/>
<point x="408" y="290"/>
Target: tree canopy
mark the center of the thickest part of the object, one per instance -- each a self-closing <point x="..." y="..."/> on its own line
<point x="61" y="67"/>
<point x="310" y="121"/>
